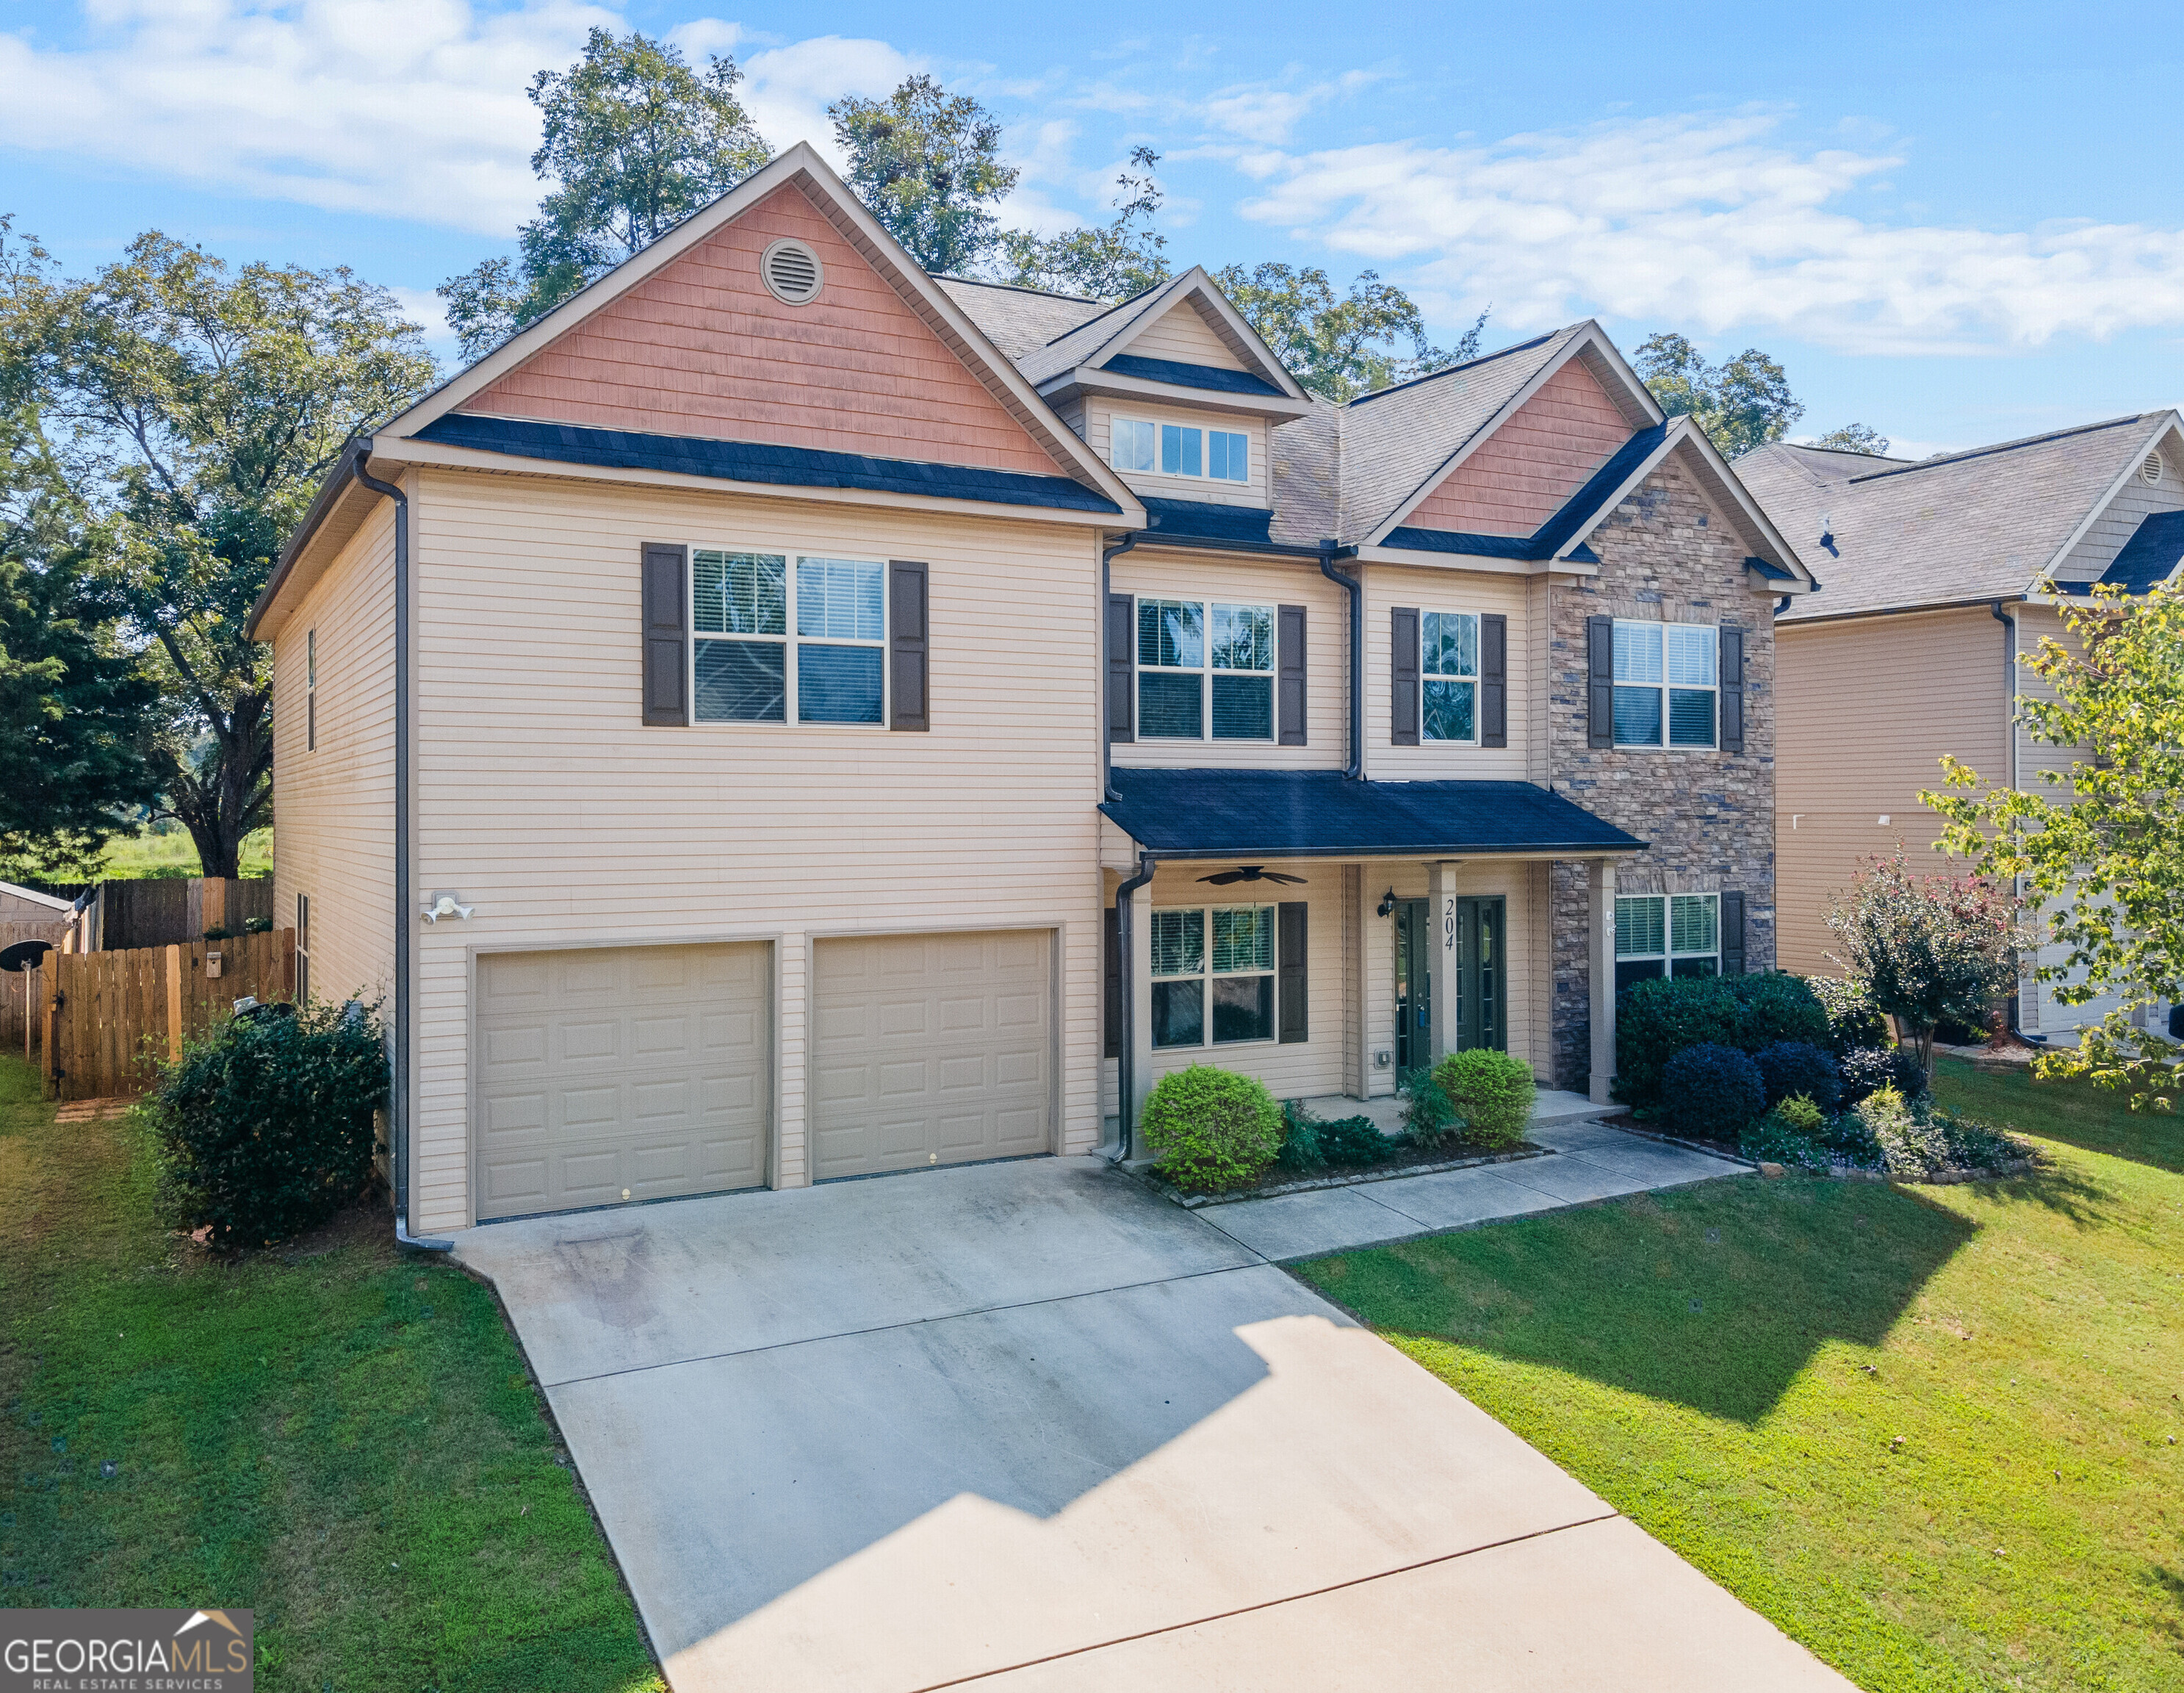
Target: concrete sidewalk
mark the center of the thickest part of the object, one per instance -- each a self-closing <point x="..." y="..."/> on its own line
<point x="1588" y="1161"/>
<point x="1031" y="1423"/>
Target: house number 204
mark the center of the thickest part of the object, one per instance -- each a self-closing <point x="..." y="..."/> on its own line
<point x="1448" y="926"/>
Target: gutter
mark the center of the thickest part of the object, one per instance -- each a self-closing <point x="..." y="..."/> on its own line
<point x="405" y="921"/>
<point x="1126" y="1065"/>
<point x="1328" y="552"/>
<point x="2009" y="728"/>
<point x="1107" y="558"/>
<point x="349" y="464"/>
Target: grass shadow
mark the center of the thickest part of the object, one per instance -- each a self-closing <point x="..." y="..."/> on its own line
<point x="2076" y="1113"/>
<point x="1714" y="1297"/>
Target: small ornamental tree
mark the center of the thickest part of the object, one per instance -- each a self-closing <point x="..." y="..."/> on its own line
<point x="2103" y="858"/>
<point x="1926" y="948"/>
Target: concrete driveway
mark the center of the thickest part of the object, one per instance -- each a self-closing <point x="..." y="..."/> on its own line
<point x="1028" y="1425"/>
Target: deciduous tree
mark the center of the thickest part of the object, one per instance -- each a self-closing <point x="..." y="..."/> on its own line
<point x="1112" y="262"/>
<point x="1855" y="438"/>
<point x="2101" y="855"/>
<point x="927" y="165"/>
<point x="1926" y="947"/>
<point x="1340" y="346"/>
<point x="1743" y="404"/>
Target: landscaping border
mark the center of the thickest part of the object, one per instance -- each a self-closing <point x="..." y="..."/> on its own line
<point x="1308" y="1184"/>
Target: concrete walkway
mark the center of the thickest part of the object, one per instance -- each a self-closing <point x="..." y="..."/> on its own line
<point x="1588" y="1161"/>
<point x="1031" y="1425"/>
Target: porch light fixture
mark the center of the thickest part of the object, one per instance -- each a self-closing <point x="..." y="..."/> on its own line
<point x="1387" y="907"/>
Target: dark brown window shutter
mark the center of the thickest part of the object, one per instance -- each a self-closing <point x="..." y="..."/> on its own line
<point x="1111" y="1021"/>
<point x="1600" y="682"/>
<point x="1493" y="679"/>
<point x="1732" y="691"/>
<point x="1289" y="659"/>
<point x="1403" y="677"/>
<point x="667" y="636"/>
<point x="1122" y="663"/>
<point x="1732" y="934"/>
<point x="909" y="677"/>
<point x="1293" y="979"/>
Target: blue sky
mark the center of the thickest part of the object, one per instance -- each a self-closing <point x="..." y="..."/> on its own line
<point x="1956" y="223"/>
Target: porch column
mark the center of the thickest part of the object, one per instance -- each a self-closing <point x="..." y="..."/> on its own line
<point x="1600" y="883"/>
<point x="1441" y="947"/>
<point x="1141" y="1011"/>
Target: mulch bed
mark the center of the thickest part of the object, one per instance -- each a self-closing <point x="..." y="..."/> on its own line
<point x="1410" y="1160"/>
<point x="1837" y="1172"/>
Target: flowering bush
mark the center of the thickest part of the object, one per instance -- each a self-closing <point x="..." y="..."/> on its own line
<point x="1926" y="947"/>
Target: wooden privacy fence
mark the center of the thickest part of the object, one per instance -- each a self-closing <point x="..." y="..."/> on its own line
<point x="158" y="911"/>
<point x="110" y="1018"/>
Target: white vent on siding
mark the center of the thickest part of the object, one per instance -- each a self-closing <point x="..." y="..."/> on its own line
<point x="792" y="273"/>
<point x="2150" y="472"/>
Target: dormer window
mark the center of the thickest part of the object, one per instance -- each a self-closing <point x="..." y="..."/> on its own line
<point x="1181" y="449"/>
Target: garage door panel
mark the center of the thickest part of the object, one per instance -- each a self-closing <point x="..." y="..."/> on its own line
<point x="646" y="1068"/>
<point x="930" y="1048"/>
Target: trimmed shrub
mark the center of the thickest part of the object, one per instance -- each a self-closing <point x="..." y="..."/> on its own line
<point x="1492" y="1091"/>
<point x="1713" y="1092"/>
<point x="1658" y="1017"/>
<point x="1428" y="1117"/>
<point x="258" y="926"/>
<point x="1311" y="1142"/>
<point x="1211" y="1129"/>
<point x="263" y="1125"/>
<point x="1853" y="1021"/>
<point x="1869" y="1069"/>
<point x="1791" y="1067"/>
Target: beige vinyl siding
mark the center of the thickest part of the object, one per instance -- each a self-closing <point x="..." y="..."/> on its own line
<point x="1866" y="707"/>
<point x="1099" y="412"/>
<point x="1430" y="590"/>
<point x="334" y="836"/>
<point x="1227" y="579"/>
<point x="1301" y="1067"/>
<point x="1181" y="334"/>
<point x="543" y="800"/>
<point x="2096" y="549"/>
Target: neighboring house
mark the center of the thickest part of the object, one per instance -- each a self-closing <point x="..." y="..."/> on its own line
<point x="1932" y="571"/>
<point x="739" y="648"/>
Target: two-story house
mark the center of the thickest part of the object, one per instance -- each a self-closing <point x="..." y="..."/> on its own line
<point x="742" y="724"/>
<point x="1935" y="570"/>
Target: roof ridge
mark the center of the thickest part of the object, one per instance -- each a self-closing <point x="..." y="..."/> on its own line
<point x="1468" y="364"/>
<point x="1970" y="453"/>
<point x="1016" y="289"/>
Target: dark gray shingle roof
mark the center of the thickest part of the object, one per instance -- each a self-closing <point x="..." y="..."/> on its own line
<point x="1974" y="525"/>
<point x="1017" y="321"/>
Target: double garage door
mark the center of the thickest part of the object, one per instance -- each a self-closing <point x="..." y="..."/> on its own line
<point x="612" y="1074"/>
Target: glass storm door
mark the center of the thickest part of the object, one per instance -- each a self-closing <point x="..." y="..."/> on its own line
<point x="1413" y="984"/>
<point x="1482" y="1014"/>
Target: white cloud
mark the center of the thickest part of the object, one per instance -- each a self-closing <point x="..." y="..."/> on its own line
<point x="1709" y="223"/>
<point x="1266" y="112"/>
<point x="403" y="108"/>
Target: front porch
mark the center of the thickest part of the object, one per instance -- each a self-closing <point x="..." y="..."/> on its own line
<point x="1326" y="934"/>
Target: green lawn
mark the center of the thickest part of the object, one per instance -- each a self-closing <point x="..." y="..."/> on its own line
<point x="347" y="1443"/>
<point x="1731" y="1366"/>
<point x="144" y="853"/>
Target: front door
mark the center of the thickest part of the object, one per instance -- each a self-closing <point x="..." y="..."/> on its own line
<point x="1413" y="984"/>
<point x="1482" y="1011"/>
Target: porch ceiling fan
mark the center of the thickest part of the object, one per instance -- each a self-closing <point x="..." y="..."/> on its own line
<point x="1250" y="873"/>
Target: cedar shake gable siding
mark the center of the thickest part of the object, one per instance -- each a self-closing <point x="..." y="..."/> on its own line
<point x="1667" y="554"/>
<point x="1524" y="472"/>
<point x="702" y="349"/>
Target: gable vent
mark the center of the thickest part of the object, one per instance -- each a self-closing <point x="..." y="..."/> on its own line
<point x="2150" y="472"/>
<point x="793" y="272"/>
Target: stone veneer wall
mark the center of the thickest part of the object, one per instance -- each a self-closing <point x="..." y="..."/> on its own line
<point x="1709" y="817"/>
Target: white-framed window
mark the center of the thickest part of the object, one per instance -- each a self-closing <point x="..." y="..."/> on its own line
<point x="1180" y="449"/>
<point x="1666" y="683"/>
<point x="1213" y="975"/>
<point x="746" y="667"/>
<point x="1195" y="653"/>
<point x="311" y="690"/>
<point x="1448" y="676"/>
<point x="1673" y="934"/>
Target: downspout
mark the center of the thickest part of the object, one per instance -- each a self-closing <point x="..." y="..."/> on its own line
<point x="1126" y="1060"/>
<point x="2009" y="725"/>
<point x="405" y="917"/>
<point x="1351" y="586"/>
<point x="1106" y="707"/>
